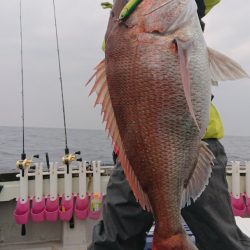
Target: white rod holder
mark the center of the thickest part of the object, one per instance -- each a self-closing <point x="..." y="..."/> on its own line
<point x="96" y="176"/>
<point x="248" y="178"/>
<point x="53" y="181"/>
<point x="82" y="179"/>
<point x="24" y="186"/>
<point x="68" y="183"/>
<point x="39" y="182"/>
<point x="236" y="179"/>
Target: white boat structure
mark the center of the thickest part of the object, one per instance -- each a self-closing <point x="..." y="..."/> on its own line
<point x="55" y="206"/>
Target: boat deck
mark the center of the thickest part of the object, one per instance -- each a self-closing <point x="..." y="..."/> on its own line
<point x="244" y="225"/>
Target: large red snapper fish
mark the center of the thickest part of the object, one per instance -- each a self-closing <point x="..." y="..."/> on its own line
<point x="155" y="88"/>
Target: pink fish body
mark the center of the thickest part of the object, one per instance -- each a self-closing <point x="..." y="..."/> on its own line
<point x="155" y="88"/>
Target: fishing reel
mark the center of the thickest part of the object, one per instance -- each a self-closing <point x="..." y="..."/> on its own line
<point x="68" y="158"/>
<point x="25" y="163"/>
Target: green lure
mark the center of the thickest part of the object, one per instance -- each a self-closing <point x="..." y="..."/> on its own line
<point x="128" y="9"/>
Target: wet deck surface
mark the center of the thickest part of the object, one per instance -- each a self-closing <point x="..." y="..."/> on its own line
<point x="244" y="225"/>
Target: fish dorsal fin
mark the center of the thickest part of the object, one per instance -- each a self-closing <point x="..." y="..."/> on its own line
<point x="200" y="177"/>
<point x="223" y="68"/>
<point x="103" y="97"/>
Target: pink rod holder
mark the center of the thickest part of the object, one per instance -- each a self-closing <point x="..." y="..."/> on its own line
<point x="82" y="207"/>
<point x="21" y="212"/>
<point x="38" y="210"/>
<point x="66" y="209"/>
<point x="248" y="205"/>
<point x="95" y="206"/>
<point x="52" y="209"/>
<point x="238" y="206"/>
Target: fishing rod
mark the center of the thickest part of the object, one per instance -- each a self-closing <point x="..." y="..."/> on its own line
<point x="61" y="82"/>
<point x="24" y="164"/>
<point x="20" y="164"/>
<point x="23" y="155"/>
<point x="67" y="158"/>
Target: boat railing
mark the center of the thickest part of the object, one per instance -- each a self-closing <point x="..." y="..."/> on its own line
<point x="84" y="183"/>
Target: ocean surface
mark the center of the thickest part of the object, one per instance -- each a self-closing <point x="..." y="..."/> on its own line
<point x="93" y="144"/>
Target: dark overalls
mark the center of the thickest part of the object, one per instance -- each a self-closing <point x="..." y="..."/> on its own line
<point x="210" y="218"/>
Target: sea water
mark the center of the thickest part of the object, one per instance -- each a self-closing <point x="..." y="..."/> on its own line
<point x="93" y="144"/>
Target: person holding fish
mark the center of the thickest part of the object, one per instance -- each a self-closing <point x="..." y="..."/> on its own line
<point x="155" y="90"/>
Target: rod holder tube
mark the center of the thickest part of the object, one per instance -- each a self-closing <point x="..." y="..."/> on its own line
<point x="236" y="179"/>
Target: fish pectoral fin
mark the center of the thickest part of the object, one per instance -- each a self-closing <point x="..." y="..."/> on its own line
<point x="200" y="177"/>
<point x="223" y="68"/>
<point x="183" y="49"/>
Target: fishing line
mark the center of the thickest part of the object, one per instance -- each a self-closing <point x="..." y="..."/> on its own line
<point x="157" y="8"/>
<point x="61" y="82"/>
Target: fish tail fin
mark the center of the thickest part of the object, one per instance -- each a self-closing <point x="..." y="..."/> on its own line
<point x="178" y="241"/>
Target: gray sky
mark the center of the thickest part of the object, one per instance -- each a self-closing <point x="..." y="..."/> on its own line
<point x="81" y="28"/>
